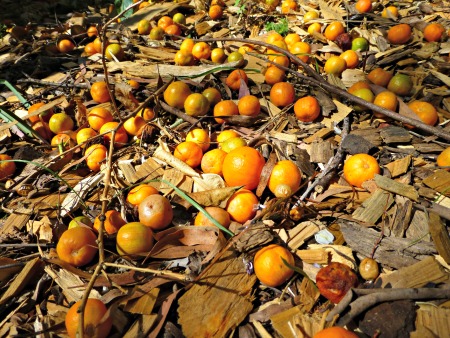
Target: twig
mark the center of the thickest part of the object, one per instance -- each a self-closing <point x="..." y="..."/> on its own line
<point x="53" y="84"/>
<point x="161" y="273"/>
<point x="178" y="113"/>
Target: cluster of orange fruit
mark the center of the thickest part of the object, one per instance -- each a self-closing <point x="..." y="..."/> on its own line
<point x="165" y="25"/>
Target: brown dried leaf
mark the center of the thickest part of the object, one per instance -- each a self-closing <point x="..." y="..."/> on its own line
<point x="122" y="92"/>
<point x="207" y="198"/>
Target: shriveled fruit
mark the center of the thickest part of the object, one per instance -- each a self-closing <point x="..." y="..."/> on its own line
<point x="282" y="94"/>
<point x="140" y="192"/>
<point x="113" y="222"/>
<point x="7" y="169"/>
<point x="335" y="332"/>
<point x="98" y="116"/>
<point x="96" y="319"/>
<point x="368" y="269"/>
<point x="60" y="122"/>
<point x="335" y="65"/>
<point x="360" y="168"/>
<point x="269" y="266"/>
<point x="249" y="105"/>
<point x="243" y="166"/>
<point x="399" y="34"/>
<point x="234" y="79"/>
<point x="307" y="109"/>
<point x="199" y="136"/>
<point x="400" y="84"/>
<point x="425" y="110"/>
<point x="443" y="159"/>
<point x="95" y="155"/>
<point x="189" y="152"/>
<point x="225" y="108"/>
<point x="433" y="32"/>
<point x="155" y="211"/>
<point x="120" y="137"/>
<point x="333" y="30"/>
<point x="176" y="93"/>
<point x="241" y="205"/>
<point x="334" y="281"/>
<point x="212" y="161"/>
<point x="219" y="214"/>
<point x="196" y="105"/>
<point x="99" y="92"/>
<point x="380" y="77"/>
<point x="285" y="172"/>
<point x="134" y="239"/>
<point x="77" y="246"/>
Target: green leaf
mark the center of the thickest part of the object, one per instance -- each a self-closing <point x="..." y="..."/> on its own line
<point x="122" y="5"/>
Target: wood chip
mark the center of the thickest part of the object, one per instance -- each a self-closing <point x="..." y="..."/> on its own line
<point x="396" y="187"/>
<point x="144" y="304"/>
<point x="17" y="220"/>
<point x="439" y="234"/>
<point x="400" y="166"/>
<point x="301" y="233"/>
<point x="394" y="134"/>
<point x="431" y="321"/>
<point x="439" y="181"/>
<point x="321" y="152"/>
<point x="374" y="207"/>
<point x="141" y="326"/>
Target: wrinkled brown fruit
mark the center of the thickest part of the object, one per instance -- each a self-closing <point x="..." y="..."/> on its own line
<point x="334" y="280"/>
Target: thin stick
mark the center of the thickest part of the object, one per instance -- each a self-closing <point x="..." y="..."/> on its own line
<point x="163" y="273"/>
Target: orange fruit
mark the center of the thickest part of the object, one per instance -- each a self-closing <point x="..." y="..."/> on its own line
<point x="189" y="152"/>
<point x="99" y="92"/>
<point x="399" y="34"/>
<point x="292" y="38"/>
<point x="212" y="161"/>
<point x="225" y="135"/>
<point x="390" y="12"/>
<point x="199" y="136"/>
<point x="183" y="58"/>
<point x="307" y="109"/>
<point x="335" y="65"/>
<point x="233" y="80"/>
<point x="176" y="93"/>
<point x="272" y="53"/>
<point x="213" y="95"/>
<point x="113" y="222"/>
<point x="225" y="108"/>
<point x="433" y="32"/>
<point x="333" y="30"/>
<point x="235" y="56"/>
<point x="285" y="172"/>
<point x="77" y="246"/>
<point x="196" y="105"/>
<point x="133" y="84"/>
<point x="156" y="33"/>
<point x="386" y="100"/>
<point x="310" y="15"/>
<point x="114" y="51"/>
<point x="7" y="169"/>
<point x="62" y="139"/>
<point x="219" y="214"/>
<point x="274" y="36"/>
<point x="134" y="239"/>
<point x="92" y="31"/>
<point x="335" y="332"/>
<point x="269" y="266"/>
<point x="380" y="77"/>
<point x="282" y="94"/>
<point x="246" y="48"/>
<point x="351" y="58"/>
<point x="201" y="50"/>
<point x="60" y="122"/>
<point x="218" y="55"/>
<point x="249" y="105"/>
<point x="136" y="195"/>
<point x="89" y="49"/>
<point x="98" y="116"/>
<point x="287" y="6"/>
<point x="215" y="12"/>
<point x="147" y="114"/>
<point x="242" y="205"/>
<point x="165" y="21"/>
<point x="400" y="84"/>
<point x="443" y="159"/>
<point x="365" y="94"/>
<point x="134" y="125"/>
<point x="96" y="320"/>
<point x="274" y="75"/>
<point x="173" y="30"/>
<point x="80" y="221"/>
<point x="302" y="50"/>
<point x="95" y="155"/>
<point x="358" y="85"/>
<point x="187" y="45"/>
<point x="45" y="115"/>
<point x="144" y="27"/>
<point x="243" y="166"/>
<point x="363" y="6"/>
<point x="281" y="60"/>
<point x="315" y="27"/>
<point x="426" y="112"/>
<point x="65" y="45"/>
<point x="232" y="143"/>
<point x="85" y="134"/>
<point x="120" y="137"/>
<point x="155" y="211"/>
<point x="360" y="168"/>
<point x="98" y="44"/>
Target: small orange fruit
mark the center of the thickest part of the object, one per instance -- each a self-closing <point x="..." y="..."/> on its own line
<point x="65" y="45"/>
<point x="201" y="50"/>
<point x="85" y="134"/>
<point x="358" y="85"/>
<point x="187" y="45"/>
<point x="179" y="18"/>
<point x="213" y="95"/>
<point x="242" y="205"/>
<point x="281" y="60"/>
<point x="243" y="166"/>
<point x="98" y="44"/>
<point x="155" y="211"/>
<point x="285" y="172"/>
<point x="365" y="94"/>
<point x="426" y="112"/>
<point x="98" y="116"/>
<point x="333" y="30"/>
<point x="307" y="109"/>
<point x="272" y="53"/>
<point x="233" y="80"/>
<point x="134" y="125"/>
<point x="218" y="55"/>
<point x="60" y="122"/>
<point x="351" y="58"/>
<point x="62" y="139"/>
<point x="80" y="221"/>
<point x="249" y="105"/>
<point x="196" y="105"/>
<point x="95" y="155"/>
<point x="113" y="222"/>
<point x="363" y="6"/>
<point x="199" y="136"/>
<point x="165" y="21"/>
<point x="176" y="93"/>
<point x="96" y="320"/>
<point x="287" y="6"/>
<point x="114" y="52"/>
<point x="120" y="137"/>
<point x="45" y="115"/>
<point x="310" y="15"/>
<point x="443" y="159"/>
<point x="302" y="50"/>
<point x="77" y="246"/>
<point x="92" y="31"/>
<point x="282" y="94"/>
<point x="183" y="58"/>
<point x="173" y="30"/>
<point x="7" y="169"/>
<point x="387" y="100"/>
<point x="225" y="108"/>
<point x="433" y="32"/>
<point x="232" y="143"/>
<point x="269" y="266"/>
<point x="380" y="77"/>
<point x="400" y="84"/>
<point x="390" y="12"/>
<point x="133" y="84"/>
<point x="225" y="135"/>
<point x="315" y="27"/>
<point x="399" y="34"/>
<point x="219" y="214"/>
<point x="360" y="168"/>
<point x="292" y="38"/>
<point x="134" y="239"/>
<point x="215" y="12"/>
<point x="136" y="195"/>
<point x="212" y="161"/>
<point x="189" y="152"/>
<point x="89" y="49"/>
<point x="335" y="332"/>
<point x="147" y="114"/>
<point x="335" y="65"/>
<point x="274" y="36"/>
<point x="156" y="33"/>
<point x="144" y="27"/>
<point x="274" y="75"/>
<point x="99" y="92"/>
<point x="235" y="56"/>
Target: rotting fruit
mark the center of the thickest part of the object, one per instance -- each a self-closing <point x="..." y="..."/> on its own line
<point x="219" y="214"/>
<point x="368" y="269"/>
<point x="335" y="280"/>
<point x="155" y="211"/>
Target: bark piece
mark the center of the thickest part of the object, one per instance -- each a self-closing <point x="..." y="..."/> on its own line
<point x="355" y="144"/>
<point x="440" y="236"/>
<point x="439" y="181"/>
<point x="17" y="220"/>
<point x="431" y="322"/>
<point x="418" y="227"/>
<point x="402" y="216"/>
<point x="395" y="187"/>
<point x="311" y="256"/>
<point x="373" y="207"/>
<point x="371" y="135"/>
<point x="219" y="301"/>
<point x="393" y="134"/>
<point x="400" y="166"/>
<point x="321" y="152"/>
<point x="144" y="304"/>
